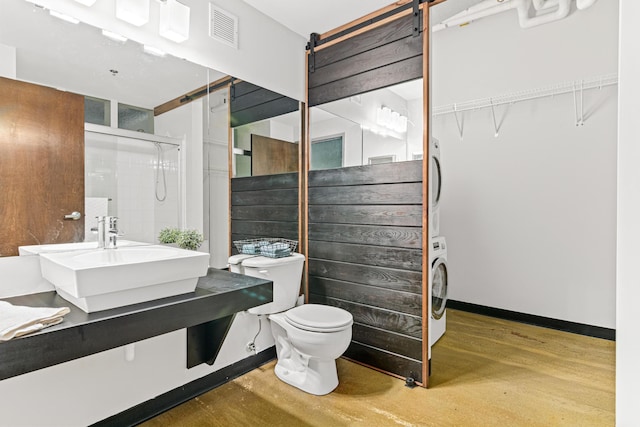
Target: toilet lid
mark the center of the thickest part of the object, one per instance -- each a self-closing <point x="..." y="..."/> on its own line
<point x="264" y="262"/>
<point x="239" y="258"/>
<point x="319" y="318"/>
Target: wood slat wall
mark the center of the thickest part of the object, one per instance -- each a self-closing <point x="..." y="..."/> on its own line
<point x="264" y="206"/>
<point x="384" y="56"/>
<point x="251" y="103"/>
<point x="365" y="256"/>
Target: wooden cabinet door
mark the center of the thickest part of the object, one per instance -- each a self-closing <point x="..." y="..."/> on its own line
<point x="41" y="165"/>
<point x="271" y="156"/>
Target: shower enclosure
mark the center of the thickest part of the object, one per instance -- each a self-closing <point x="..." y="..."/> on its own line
<point x="134" y="176"/>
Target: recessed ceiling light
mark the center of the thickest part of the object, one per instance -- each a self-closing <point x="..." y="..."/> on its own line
<point x="64" y="17"/>
<point x="114" y="36"/>
<point x="153" y="50"/>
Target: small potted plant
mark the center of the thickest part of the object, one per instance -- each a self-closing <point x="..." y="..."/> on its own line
<point x="190" y="239"/>
<point x="169" y="236"/>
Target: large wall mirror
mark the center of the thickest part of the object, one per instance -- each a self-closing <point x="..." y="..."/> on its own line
<point x="380" y="126"/>
<point x="265" y="157"/>
<point x="267" y="147"/>
<point x="138" y="166"/>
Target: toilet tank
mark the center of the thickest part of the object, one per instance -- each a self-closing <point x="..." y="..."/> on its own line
<point x="235" y="262"/>
<point x="286" y="275"/>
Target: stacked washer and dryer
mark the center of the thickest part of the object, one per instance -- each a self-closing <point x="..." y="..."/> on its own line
<point x="439" y="270"/>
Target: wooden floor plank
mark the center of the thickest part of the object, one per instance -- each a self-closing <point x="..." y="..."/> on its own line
<point x="486" y="372"/>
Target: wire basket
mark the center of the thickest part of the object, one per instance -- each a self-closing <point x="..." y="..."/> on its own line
<point x="268" y="246"/>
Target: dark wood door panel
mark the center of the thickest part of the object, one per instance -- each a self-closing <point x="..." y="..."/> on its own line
<point x="265" y="213"/>
<point x="383" y="194"/>
<point x="41" y="165"/>
<point x="388" y="341"/>
<point x="387" y="320"/>
<point x="405" y="259"/>
<point x="386" y="173"/>
<point x="287" y="230"/>
<point x="270" y="156"/>
<point x="265" y="197"/>
<point x="398" y="237"/>
<point x="266" y="182"/>
<point x="402" y="302"/>
<point x="389" y="278"/>
<point x="405" y="215"/>
<point x="370" y="40"/>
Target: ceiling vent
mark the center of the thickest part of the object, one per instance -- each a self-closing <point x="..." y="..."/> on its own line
<point x="223" y="26"/>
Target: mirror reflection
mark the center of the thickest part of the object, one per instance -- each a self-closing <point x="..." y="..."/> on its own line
<point x="381" y="126"/>
<point x="139" y="166"/>
<point x="267" y="147"/>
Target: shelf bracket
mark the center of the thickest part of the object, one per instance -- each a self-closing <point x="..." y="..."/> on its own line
<point x="579" y="117"/>
<point x="495" y="123"/>
<point x="459" y="123"/>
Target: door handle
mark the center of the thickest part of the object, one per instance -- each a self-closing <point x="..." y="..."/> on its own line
<point x="75" y="215"/>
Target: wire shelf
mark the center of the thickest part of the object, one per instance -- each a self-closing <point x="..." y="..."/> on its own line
<point x="267" y="246"/>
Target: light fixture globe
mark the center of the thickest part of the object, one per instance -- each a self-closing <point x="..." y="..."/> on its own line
<point x="174" y="21"/>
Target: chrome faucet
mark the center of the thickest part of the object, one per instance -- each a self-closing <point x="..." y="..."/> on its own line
<point x="107" y="232"/>
<point x="111" y="233"/>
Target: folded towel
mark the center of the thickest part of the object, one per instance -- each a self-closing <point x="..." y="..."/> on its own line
<point x="281" y="253"/>
<point x="249" y="249"/>
<point x="16" y="321"/>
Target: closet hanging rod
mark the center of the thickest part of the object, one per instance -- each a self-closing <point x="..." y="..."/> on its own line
<point x="525" y="95"/>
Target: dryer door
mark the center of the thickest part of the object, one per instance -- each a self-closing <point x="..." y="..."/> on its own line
<point x="436" y="181"/>
<point x="440" y="280"/>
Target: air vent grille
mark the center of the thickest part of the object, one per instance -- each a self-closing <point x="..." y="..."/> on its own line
<point x="223" y="26"/>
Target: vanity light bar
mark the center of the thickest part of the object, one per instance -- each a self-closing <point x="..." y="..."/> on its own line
<point x="114" y="36"/>
<point x="154" y="50"/>
<point x="392" y="120"/>
<point x="64" y="17"/>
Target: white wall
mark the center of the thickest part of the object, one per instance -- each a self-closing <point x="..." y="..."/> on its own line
<point x="268" y="54"/>
<point x="7" y="61"/>
<point x="628" y="267"/>
<point x="530" y="215"/>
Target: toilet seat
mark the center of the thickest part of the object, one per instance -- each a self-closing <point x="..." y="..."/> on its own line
<point x="319" y="318"/>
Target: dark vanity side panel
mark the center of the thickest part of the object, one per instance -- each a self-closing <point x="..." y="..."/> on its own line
<point x="370" y="264"/>
<point x="264" y="206"/>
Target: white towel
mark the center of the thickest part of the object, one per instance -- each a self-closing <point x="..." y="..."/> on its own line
<point x="16" y="321"/>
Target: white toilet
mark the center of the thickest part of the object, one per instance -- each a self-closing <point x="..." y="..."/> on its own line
<point x="309" y="338"/>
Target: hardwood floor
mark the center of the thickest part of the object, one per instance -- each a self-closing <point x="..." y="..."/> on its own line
<point x="486" y="372"/>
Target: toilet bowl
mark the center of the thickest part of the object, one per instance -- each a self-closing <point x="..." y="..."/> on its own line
<point x="309" y="338"/>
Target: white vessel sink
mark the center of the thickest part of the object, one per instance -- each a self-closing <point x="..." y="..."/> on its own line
<point x="66" y="247"/>
<point x="100" y="279"/>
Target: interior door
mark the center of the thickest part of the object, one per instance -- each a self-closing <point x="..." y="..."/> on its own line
<point x="41" y="165"/>
<point x="271" y="156"/>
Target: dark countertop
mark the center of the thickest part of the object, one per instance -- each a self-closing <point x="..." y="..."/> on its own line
<point x="217" y="295"/>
